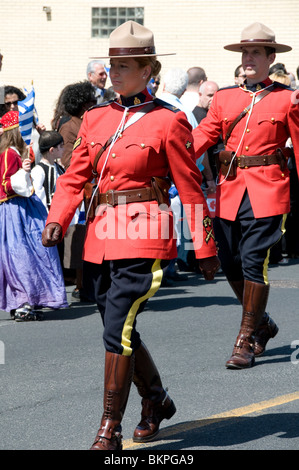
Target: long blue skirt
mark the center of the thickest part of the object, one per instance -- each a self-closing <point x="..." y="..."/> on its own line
<point x="29" y="272"/>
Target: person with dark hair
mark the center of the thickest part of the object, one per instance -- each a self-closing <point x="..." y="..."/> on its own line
<point x="12" y="95"/>
<point x="46" y="172"/>
<point x="278" y="67"/>
<point x="60" y="115"/>
<point x="129" y="147"/>
<point x="239" y="75"/>
<point x="30" y="274"/>
<point x="253" y="193"/>
<point x="76" y="99"/>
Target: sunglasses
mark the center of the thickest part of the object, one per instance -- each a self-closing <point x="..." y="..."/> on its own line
<point x="9" y="103"/>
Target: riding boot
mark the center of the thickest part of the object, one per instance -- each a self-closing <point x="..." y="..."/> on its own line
<point x="118" y="379"/>
<point x="156" y="403"/>
<point x="238" y="288"/>
<point x="254" y="303"/>
<point x="267" y="328"/>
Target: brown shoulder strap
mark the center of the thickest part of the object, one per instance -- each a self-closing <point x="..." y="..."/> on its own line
<point x="98" y="155"/>
<point x="149" y="106"/>
<point x="259" y="97"/>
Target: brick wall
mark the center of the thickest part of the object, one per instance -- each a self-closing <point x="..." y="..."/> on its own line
<point x="55" y="53"/>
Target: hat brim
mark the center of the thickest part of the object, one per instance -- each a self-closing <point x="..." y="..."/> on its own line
<point x="131" y="55"/>
<point x="239" y="46"/>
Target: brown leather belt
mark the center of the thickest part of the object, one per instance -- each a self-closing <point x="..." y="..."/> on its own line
<point x="158" y="191"/>
<point x="114" y="198"/>
<point x="224" y="159"/>
<point x="245" y="161"/>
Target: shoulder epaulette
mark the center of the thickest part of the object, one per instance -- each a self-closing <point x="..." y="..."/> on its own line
<point x="282" y="85"/>
<point x="169" y="106"/>
<point x="228" y="87"/>
<point x="101" y="105"/>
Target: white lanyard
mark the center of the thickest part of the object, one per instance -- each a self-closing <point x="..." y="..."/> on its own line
<point x="254" y="94"/>
<point x="120" y="129"/>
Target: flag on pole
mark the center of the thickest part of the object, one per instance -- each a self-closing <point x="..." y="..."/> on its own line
<point x="26" y="109"/>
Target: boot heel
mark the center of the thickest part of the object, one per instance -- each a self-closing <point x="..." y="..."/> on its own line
<point x="275" y="331"/>
<point x="170" y="411"/>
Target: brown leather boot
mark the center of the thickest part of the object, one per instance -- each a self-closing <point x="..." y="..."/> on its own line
<point x="266" y="330"/>
<point x="118" y="378"/>
<point x="156" y="403"/>
<point x="238" y="288"/>
<point x="254" y="303"/>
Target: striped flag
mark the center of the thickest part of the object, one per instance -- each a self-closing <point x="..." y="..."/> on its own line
<point x="26" y="109"/>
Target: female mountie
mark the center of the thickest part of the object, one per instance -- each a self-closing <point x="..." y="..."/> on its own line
<point x="131" y="146"/>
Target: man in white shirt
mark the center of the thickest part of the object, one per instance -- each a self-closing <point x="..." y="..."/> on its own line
<point x="196" y="76"/>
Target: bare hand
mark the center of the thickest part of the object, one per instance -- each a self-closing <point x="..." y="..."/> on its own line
<point x="40" y="128"/>
<point x="209" y="267"/>
<point x="211" y="187"/>
<point x="26" y="165"/>
<point x="52" y="234"/>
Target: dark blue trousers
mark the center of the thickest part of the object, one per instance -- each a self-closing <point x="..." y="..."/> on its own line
<point x="245" y="243"/>
<point x="121" y="289"/>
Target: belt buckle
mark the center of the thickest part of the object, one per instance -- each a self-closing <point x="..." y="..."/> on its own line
<point x="108" y="194"/>
<point x="241" y="161"/>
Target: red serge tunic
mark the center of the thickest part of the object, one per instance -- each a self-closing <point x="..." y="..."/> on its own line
<point x="157" y="144"/>
<point x="273" y="120"/>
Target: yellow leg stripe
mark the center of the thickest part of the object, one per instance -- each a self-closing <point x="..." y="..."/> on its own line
<point x="266" y="262"/>
<point x="128" y="326"/>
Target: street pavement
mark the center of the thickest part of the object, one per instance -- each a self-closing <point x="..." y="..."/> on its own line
<point x="51" y="373"/>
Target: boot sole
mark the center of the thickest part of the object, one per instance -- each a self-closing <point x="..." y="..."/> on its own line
<point x="168" y="414"/>
<point x="239" y="367"/>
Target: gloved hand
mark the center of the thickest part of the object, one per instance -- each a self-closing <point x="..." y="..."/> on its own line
<point x="52" y="234"/>
<point x="209" y="267"/>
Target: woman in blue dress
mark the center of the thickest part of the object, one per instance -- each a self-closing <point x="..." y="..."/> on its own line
<point x="30" y="274"/>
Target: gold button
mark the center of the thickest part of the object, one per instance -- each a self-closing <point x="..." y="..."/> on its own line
<point x="112" y="178"/>
<point x="282" y="174"/>
<point x="225" y="119"/>
<point x="113" y="155"/>
<point x="247" y="130"/>
<point x="142" y="146"/>
<point x="246" y="148"/>
<point x="120" y="136"/>
<point x="272" y="119"/>
<point x="92" y="143"/>
<point x="251" y="95"/>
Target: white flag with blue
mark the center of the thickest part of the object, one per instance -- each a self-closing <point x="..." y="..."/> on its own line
<point x="26" y="110"/>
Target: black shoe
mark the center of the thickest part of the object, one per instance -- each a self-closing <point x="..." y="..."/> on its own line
<point x="26" y="313"/>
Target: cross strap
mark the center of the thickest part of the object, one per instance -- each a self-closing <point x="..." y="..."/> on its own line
<point x="258" y="98"/>
<point x="131" y="121"/>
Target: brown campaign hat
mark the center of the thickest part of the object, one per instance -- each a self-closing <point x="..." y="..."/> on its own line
<point x="257" y="34"/>
<point x="132" y="39"/>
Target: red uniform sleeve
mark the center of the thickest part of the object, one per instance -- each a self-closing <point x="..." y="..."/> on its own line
<point x="293" y="124"/>
<point x="70" y="186"/>
<point x="208" y="131"/>
<point x="187" y="179"/>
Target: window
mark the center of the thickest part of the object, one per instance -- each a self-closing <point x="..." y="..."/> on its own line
<point x="105" y="20"/>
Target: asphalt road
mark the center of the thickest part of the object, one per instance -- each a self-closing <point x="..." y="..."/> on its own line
<point x="51" y="373"/>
